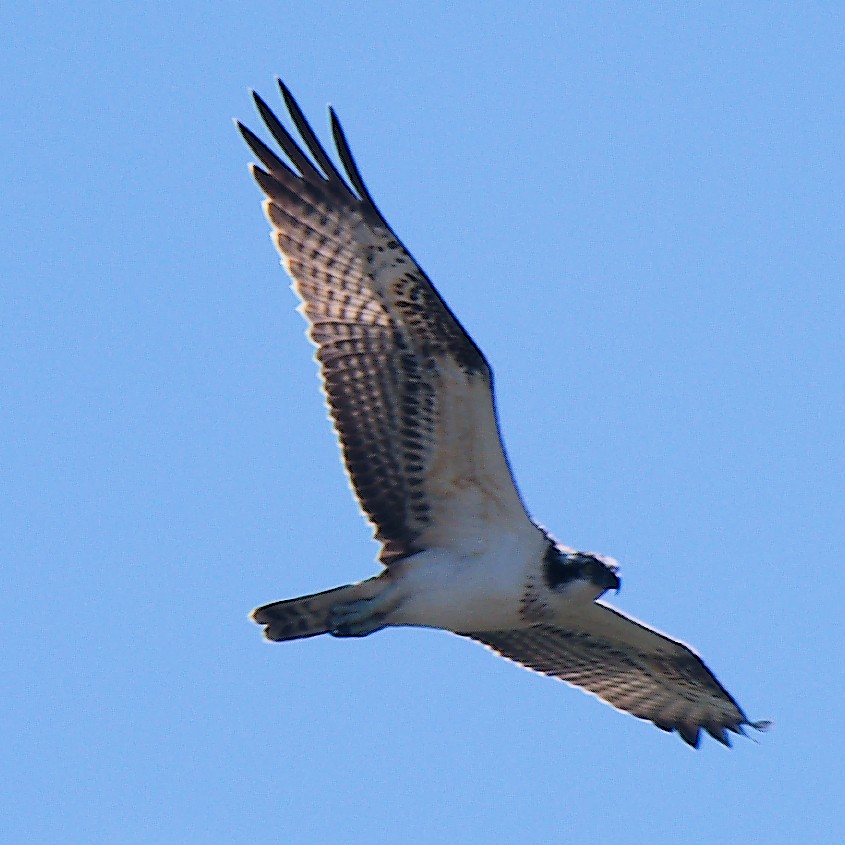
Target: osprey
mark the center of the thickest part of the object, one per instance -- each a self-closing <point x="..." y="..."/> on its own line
<point x="411" y="397"/>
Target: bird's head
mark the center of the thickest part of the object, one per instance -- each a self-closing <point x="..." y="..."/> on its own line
<point x="564" y="569"/>
<point x="599" y="570"/>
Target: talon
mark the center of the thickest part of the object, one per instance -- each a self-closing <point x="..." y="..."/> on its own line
<point x="361" y="630"/>
<point x="358" y="618"/>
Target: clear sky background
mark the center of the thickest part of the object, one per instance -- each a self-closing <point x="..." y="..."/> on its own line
<point x="636" y="210"/>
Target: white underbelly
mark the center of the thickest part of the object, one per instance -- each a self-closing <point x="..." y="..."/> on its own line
<point x="481" y="592"/>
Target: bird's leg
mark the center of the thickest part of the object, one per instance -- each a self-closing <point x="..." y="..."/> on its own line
<point x="365" y="616"/>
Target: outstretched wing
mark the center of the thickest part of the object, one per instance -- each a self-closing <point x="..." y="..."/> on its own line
<point x="630" y="666"/>
<point x="409" y="391"/>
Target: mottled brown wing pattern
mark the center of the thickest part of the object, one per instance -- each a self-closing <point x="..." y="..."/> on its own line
<point x="674" y="690"/>
<point x="383" y="333"/>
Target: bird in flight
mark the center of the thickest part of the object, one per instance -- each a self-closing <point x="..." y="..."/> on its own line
<point x="411" y="398"/>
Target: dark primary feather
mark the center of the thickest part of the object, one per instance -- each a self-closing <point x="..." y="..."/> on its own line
<point x="307" y="134"/>
<point x="351" y="168"/>
<point x="299" y="160"/>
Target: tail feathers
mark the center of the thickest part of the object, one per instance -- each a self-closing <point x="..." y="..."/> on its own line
<point x="308" y="616"/>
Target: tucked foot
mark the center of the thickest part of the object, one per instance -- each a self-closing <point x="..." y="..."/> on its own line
<point x="359" y="618"/>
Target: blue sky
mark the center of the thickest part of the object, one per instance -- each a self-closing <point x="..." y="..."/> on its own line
<point x="638" y="213"/>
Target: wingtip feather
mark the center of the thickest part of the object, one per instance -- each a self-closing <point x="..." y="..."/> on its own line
<point x="286" y="94"/>
<point x="690" y="734"/>
<point x="719" y="734"/>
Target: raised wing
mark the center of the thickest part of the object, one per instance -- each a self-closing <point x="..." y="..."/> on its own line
<point x="409" y="391"/>
<point x="630" y="666"/>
